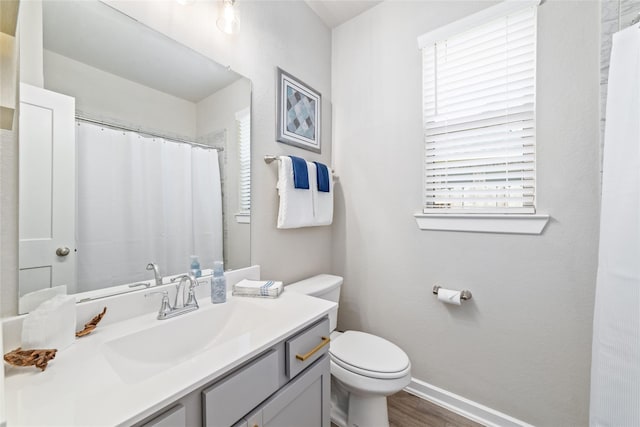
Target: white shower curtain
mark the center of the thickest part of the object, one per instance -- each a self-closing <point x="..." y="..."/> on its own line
<point x="615" y="368"/>
<point x="142" y="200"/>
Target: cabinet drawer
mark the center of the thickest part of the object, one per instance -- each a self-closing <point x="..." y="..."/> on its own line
<point x="230" y="399"/>
<point x="306" y="347"/>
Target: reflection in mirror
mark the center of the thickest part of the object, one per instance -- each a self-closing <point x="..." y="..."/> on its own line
<point x="148" y="160"/>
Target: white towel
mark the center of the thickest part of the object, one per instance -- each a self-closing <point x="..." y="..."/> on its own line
<point x="322" y="201"/>
<point x="258" y="288"/>
<point x="296" y="204"/>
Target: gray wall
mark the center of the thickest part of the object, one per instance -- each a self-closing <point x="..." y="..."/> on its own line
<point x="522" y="345"/>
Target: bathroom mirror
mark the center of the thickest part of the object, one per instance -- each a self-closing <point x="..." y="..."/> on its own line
<point x="154" y="122"/>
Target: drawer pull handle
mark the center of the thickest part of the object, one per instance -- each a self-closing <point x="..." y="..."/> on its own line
<point x="303" y="357"/>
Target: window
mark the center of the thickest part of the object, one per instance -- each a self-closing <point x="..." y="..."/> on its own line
<point x="243" y="127"/>
<point x="479" y="113"/>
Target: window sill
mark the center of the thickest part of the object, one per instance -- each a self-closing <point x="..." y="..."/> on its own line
<point x="243" y="218"/>
<point x="484" y="223"/>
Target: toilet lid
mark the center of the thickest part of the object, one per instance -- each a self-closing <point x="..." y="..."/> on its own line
<point x="369" y="355"/>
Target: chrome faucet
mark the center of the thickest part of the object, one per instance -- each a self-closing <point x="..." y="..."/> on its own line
<point x="156" y="272"/>
<point x="167" y="310"/>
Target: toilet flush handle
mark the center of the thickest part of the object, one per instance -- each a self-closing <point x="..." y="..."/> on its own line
<point x="314" y="350"/>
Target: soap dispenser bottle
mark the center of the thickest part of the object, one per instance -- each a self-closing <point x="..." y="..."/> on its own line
<point x="218" y="284"/>
<point x="195" y="266"/>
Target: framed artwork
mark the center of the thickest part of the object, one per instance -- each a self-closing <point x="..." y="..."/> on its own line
<point x="298" y="113"/>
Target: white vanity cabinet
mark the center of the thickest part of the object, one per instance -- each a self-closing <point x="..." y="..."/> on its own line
<point x="286" y="385"/>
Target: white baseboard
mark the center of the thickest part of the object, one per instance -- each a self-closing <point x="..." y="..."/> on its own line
<point x="462" y="406"/>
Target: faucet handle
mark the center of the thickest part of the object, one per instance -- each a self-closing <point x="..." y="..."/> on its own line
<point x="202" y="280"/>
<point x="165" y="305"/>
<point x="193" y="282"/>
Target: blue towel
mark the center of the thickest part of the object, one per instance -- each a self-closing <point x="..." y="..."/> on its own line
<point x="300" y="173"/>
<point x="323" y="177"/>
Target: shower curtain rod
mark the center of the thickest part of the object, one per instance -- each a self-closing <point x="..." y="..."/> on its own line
<point x="156" y="135"/>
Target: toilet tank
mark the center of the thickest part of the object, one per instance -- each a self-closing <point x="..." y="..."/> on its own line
<point x="325" y="286"/>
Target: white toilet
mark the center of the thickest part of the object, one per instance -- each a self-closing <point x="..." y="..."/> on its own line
<point x="365" y="369"/>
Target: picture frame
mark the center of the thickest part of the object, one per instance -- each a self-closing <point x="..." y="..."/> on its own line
<point x="298" y="113"/>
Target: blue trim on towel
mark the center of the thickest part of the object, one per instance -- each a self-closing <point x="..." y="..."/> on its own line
<point x="300" y="173"/>
<point x="264" y="289"/>
<point x="322" y="173"/>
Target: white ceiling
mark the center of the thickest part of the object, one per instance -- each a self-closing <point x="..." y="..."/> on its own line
<point x="336" y="12"/>
<point x="97" y="35"/>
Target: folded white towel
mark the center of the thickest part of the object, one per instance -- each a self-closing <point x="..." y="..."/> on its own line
<point x="51" y="325"/>
<point x="322" y="201"/>
<point x="296" y="204"/>
<point x="258" y="288"/>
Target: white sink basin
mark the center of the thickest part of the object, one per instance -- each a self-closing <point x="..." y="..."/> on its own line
<point x="143" y="354"/>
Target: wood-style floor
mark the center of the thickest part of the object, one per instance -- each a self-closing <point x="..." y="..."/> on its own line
<point x="406" y="410"/>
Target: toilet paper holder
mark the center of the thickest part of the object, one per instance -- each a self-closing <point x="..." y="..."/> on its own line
<point x="465" y="294"/>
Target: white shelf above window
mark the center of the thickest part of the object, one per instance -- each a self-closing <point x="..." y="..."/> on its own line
<point x="484" y="223"/>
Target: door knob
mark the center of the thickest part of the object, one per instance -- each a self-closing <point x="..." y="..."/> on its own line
<point x="62" y="251"/>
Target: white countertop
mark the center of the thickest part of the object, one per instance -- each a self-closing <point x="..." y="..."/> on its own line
<point x="80" y="386"/>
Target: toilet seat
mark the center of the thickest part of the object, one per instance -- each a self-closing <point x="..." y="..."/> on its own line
<point x="369" y="355"/>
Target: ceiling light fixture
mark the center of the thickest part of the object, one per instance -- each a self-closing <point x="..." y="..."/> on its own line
<point x="229" y="19"/>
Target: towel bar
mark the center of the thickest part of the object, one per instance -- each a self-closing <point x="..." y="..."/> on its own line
<point x="269" y="158"/>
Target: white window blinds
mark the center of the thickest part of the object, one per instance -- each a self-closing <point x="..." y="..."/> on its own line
<point x="479" y="117"/>
<point x="243" y="124"/>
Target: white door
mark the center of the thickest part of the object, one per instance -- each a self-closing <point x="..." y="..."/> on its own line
<point x="47" y="189"/>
